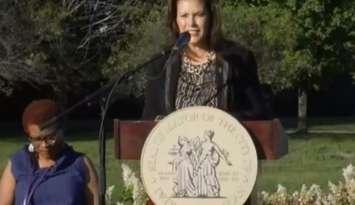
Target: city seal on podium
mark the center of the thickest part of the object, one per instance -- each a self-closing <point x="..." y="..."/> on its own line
<point x="199" y="155"/>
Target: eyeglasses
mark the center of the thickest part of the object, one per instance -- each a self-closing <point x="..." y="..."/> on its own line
<point x="48" y="139"/>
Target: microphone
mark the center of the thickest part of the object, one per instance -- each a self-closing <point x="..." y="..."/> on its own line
<point x="182" y="41"/>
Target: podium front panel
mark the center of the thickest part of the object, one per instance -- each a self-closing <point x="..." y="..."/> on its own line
<point x="268" y="136"/>
<point x="130" y="137"/>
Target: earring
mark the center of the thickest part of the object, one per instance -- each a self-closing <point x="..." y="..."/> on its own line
<point x="31" y="148"/>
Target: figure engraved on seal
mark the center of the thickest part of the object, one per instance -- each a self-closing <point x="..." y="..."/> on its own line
<point x="194" y="164"/>
<point x="199" y="159"/>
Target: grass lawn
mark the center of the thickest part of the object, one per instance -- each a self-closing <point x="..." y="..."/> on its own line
<point x="312" y="159"/>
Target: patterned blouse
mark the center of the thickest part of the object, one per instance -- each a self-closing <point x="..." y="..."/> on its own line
<point x="197" y="83"/>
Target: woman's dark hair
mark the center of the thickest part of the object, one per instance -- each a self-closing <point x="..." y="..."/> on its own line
<point x="214" y="30"/>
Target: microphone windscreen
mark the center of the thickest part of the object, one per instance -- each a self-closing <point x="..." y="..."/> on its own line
<point x="182" y="40"/>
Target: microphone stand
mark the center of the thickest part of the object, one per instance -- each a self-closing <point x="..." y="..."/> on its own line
<point x="181" y="42"/>
<point x="102" y="138"/>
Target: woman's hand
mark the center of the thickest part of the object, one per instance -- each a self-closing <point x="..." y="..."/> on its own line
<point x="7" y="186"/>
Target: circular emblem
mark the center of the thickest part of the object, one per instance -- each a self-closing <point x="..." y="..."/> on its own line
<point x="199" y="155"/>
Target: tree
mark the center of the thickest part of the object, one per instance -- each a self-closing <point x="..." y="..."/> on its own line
<point x="61" y="44"/>
<point x="300" y="44"/>
<point x="326" y="34"/>
<point x="68" y="42"/>
<point x="16" y="39"/>
<point x="142" y="40"/>
<point x="42" y="50"/>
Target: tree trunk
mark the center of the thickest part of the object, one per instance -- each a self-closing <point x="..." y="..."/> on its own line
<point x="302" y="110"/>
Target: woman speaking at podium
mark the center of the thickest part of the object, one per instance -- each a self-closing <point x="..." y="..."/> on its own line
<point x="209" y="70"/>
<point x="47" y="171"/>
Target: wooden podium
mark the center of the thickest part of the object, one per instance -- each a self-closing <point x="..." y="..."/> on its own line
<point x="268" y="137"/>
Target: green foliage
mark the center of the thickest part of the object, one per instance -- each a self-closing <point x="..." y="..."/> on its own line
<point x="325" y="32"/>
<point x="47" y="17"/>
<point x="268" y="31"/>
<point x="140" y="42"/>
<point x="248" y="2"/>
<point x="47" y="52"/>
<point x="14" y="30"/>
<point x="71" y="42"/>
<point x="125" y="195"/>
<point x="297" y="43"/>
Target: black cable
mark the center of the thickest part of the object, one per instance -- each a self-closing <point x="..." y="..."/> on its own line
<point x="102" y="136"/>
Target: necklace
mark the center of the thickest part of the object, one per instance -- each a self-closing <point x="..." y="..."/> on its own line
<point x="207" y="58"/>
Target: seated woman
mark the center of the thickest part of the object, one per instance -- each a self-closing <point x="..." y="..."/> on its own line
<point x="47" y="171"/>
<point x="210" y="71"/>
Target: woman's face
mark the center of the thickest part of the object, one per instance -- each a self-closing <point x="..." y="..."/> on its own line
<point x="192" y="17"/>
<point x="43" y="143"/>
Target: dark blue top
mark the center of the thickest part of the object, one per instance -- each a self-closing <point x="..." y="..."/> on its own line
<point x="62" y="184"/>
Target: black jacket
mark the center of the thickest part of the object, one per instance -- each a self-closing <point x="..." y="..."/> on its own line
<point x="238" y="84"/>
